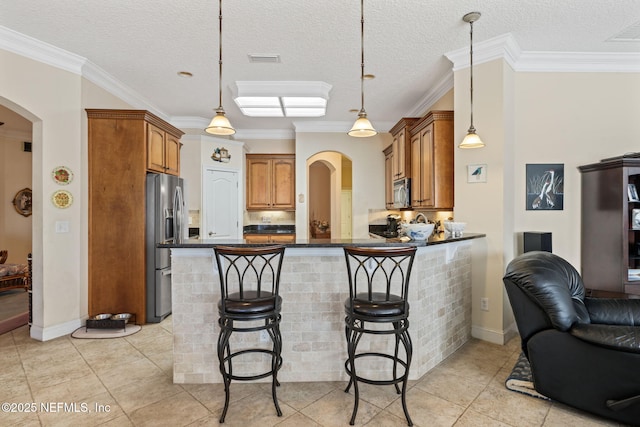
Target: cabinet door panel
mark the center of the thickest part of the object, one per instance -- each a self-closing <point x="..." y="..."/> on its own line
<point x="258" y="184"/>
<point x="388" y="178"/>
<point x="172" y="155"/>
<point x="416" y="171"/>
<point x="426" y="141"/>
<point x="257" y="238"/>
<point x="155" y="148"/>
<point x="400" y="155"/>
<point x="283" y="196"/>
<point x="283" y="238"/>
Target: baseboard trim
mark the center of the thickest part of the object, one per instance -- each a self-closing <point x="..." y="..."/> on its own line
<point x="494" y="336"/>
<point x="49" y="333"/>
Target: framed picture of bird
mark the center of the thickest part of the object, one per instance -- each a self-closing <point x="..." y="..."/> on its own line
<point x="476" y="173"/>
<point x="545" y="187"/>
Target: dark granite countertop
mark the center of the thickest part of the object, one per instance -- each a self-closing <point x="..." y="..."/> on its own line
<point x="269" y="229"/>
<point x="438" y="239"/>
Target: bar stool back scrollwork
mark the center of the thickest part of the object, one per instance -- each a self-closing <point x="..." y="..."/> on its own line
<point x="249" y="302"/>
<point x="378" y="305"/>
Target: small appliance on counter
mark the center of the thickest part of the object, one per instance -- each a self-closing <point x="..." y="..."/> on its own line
<point x="393" y="222"/>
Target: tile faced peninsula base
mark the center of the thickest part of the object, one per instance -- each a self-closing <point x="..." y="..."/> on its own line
<point x="313" y="287"/>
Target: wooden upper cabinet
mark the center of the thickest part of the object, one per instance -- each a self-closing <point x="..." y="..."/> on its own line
<point x="172" y="155"/>
<point x="432" y="161"/>
<point x="283" y="184"/>
<point x="388" y="177"/>
<point x="271" y="182"/>
<point x="155" y="148"/>
<point x="163" y="151"/>
<point x="401" y="164"/>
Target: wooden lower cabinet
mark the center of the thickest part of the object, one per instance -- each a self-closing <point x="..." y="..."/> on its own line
<point x="118" y="160"/>
<point x="270" y="238"/>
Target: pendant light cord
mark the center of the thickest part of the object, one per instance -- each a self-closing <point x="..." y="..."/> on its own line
<point x="361" y="56"/>
<point x="220" y="52"/>
<point x="471" y="128"/>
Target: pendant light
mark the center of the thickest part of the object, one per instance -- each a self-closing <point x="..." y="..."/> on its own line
<point x="220" y="125"/>
<point x="472" y="140"/>
<point x="362" y="127"/>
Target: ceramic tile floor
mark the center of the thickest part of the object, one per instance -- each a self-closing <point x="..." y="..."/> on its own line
<point x="127" y="382"/>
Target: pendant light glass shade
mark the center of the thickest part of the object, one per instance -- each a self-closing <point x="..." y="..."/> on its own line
<point x="220" y="125"/>
<point x="362" y="128"/>
<point x="472" y="140"/>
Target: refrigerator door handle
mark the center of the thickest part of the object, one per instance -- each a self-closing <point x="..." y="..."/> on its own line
<point x="178" y="213"/>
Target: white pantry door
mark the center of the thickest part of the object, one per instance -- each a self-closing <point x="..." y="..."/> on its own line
<point x="220" y="202"/>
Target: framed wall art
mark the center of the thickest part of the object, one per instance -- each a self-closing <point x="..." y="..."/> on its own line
<point x="545" y="186"/>
<point x="22" y="202"/>
<point x="476" y="173"/>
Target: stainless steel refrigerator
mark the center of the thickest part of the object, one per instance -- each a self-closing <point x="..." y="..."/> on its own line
<point x="165" y="223"/>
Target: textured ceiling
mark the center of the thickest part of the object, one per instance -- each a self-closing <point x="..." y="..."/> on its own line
<point x="144" y="43"/>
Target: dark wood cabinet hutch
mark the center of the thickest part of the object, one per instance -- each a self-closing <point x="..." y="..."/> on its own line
<point x="610" y="241"/>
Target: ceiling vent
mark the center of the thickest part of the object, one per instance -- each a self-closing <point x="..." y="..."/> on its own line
<point x="264" y="58"/>
<point x="630" y="34"/>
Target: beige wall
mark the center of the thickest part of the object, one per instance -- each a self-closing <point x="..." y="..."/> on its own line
<point x="54" y="101"/>
<point x="569" y="118"/>
<point x="367" y="175"/>
<point x="15" y="172"/>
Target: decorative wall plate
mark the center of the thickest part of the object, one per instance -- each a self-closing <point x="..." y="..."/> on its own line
<point x="62" y="199"/>
<point x="62" y="175"/>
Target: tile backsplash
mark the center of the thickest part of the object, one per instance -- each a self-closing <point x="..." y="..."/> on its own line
<point x="269" y="217"/>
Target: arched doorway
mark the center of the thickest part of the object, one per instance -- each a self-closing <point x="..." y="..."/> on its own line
<point x="16" y="229"/>
<point x="329" y="179"/>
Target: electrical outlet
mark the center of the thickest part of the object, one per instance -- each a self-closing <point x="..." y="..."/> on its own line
<point x="264" y="336"/>
<point x="484" y="304"/>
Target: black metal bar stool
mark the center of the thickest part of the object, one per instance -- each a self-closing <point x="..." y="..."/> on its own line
<point x="249" y="302"/>
<point x="377" y="304"/>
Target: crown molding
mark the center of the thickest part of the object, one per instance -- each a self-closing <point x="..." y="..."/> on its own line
<point x="189" y="122"/>
<point x="186" y="138"/>
<point x="505" y="47"/>
<point x="98" y="76"/>
<point x="199" y="123"/>
<point x="441" y="88"/>
<point x="337" y="127"/>
<point x="243" y="134"/>
<point x="40" y="51"/>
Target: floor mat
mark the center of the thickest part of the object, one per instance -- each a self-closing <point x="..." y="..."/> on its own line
<point x="520" y="379"/>
<point x="93" y="333"/>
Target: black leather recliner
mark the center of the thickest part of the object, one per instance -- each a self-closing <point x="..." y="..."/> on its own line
<point x="584" y="352"/>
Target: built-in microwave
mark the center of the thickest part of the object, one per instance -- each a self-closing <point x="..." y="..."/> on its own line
<point x="402" y="193"/>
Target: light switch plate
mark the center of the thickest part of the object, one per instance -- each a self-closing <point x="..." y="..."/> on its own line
<point x="62" y="226"/>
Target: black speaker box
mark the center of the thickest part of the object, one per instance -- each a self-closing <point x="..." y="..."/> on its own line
<point x="537" y="241"/>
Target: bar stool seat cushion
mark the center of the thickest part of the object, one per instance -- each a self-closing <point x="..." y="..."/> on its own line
<point x="251" y="303"/>
<point x="378" y="306"/>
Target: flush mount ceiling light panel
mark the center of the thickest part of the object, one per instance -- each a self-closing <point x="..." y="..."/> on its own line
<point x="282" y="99"/>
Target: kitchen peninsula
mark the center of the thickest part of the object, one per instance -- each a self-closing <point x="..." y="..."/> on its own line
<point x="313" y="286"/>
